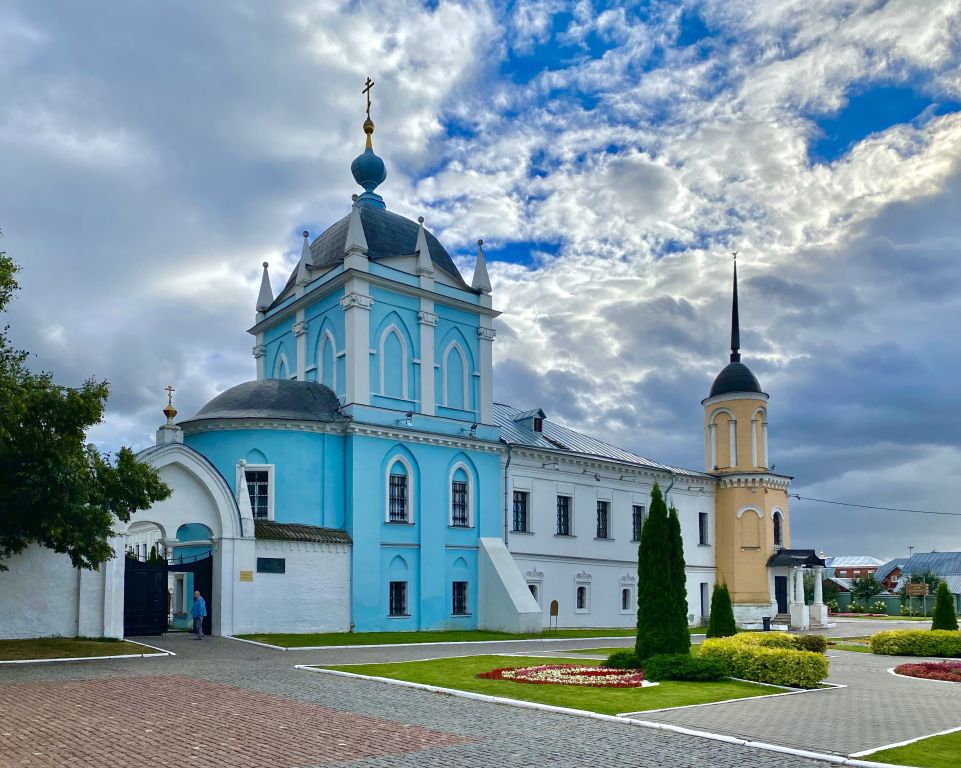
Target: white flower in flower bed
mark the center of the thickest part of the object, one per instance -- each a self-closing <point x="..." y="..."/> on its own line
<point x="571" y="674"/>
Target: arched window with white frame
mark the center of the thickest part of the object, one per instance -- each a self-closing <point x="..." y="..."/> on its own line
<point x="778" y="519"/>
<point x="281" y="367"/>
<point x="393" y="356"/>
<point x="456" y="377"/>
<point x="327" y="361"/>
<point x="400" y="488"/>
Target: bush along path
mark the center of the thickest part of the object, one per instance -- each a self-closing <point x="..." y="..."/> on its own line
<point x="944" y="616"/>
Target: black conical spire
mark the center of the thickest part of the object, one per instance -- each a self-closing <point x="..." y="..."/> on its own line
<point x="735" y="324"/>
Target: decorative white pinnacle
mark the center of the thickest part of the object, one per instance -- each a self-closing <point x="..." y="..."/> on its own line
<point x="424" y="264"/>
<point x="356" y="240"/>
<point x="481" y="281"/>
<point x="266" y="296"/>
<point x="303" y="275"/>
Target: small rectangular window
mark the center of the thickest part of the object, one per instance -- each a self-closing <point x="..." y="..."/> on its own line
<point x="520" y="511"/>
<point x="702" y="528"/>
<point x="637" y="522"/>
<point x="538" y="424"/>
<point x="582" y="599"/>
<point x="563" y="515"/>
<point x="603" y="513"/>
<point x="705" y="600"/>
<point x="258" y="487"/>
<point x="271" y="565"/>
<point x="458" y="496"/>
<point x="459" y="592"/>
<point x="398" y="598"/>
<point x="398" y="499"/>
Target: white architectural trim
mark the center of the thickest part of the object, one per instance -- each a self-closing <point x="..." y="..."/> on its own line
<point x="750" y="508"/>
<point x="405" y="352"/>
<point x="733" y="396"/>
<point x="281" y="364"/>
<point x="271" y="472"/>
<point x="410" y="488"/>
<point x="732" y="441"/>
<point x="470" y="494"/>
<point x="325" y="338"/>
<point x="466" y="378"/>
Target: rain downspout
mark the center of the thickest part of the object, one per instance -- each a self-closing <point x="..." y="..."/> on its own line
<point x="666" y="500"/>
<point x="506" y="467"/>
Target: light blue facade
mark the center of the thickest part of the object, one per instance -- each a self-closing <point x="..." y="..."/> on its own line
<point x="378" y="314"/>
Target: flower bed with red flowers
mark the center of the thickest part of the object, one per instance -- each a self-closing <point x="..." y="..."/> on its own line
<point x="571" y="674"/>
<point x="948" y="671"/>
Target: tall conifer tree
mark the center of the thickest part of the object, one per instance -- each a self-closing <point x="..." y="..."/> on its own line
<point x="654" y="594"/>
<point x="680" y="637"/>
<point x="944" y="616"/>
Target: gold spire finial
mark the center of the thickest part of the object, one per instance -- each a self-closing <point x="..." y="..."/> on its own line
<point x="170" y="411"/>
<point x="368" y="123"/>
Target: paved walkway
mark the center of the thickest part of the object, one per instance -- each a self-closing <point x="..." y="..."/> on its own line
<point x="875" y="709"/>
<point x="233" y="705"/>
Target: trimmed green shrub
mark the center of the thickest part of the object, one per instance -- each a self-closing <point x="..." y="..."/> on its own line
<point x="721" y="623"/>
<point x="767" y="639"/>
<point x="944" y="616"/>
<point x="764" y="664"/>
<point x="682" y="666"/>
<point x="813" y="643"/>
<point x="625" y="659"/>
<point x="917" y="642"/>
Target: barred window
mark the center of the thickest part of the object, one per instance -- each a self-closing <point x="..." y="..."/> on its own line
<point x="398" y="499"/>
<point x="520" y="511"/>
<point x="459" y="592"/>
<point x="563" y="515"/>
<point x="625" y="599"/>
<point x="637" y="522"/>
<point x="603" y="513"/>
<point x="258" y="487"/>
<point x="458" y="496"/>
<point x="581" y="598"/>
<point x="398" y="598"/>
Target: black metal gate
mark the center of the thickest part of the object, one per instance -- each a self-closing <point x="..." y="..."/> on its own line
<point x="780" y="593"/>
<point x="144" y="598"/>
<point x="202" y="567"/>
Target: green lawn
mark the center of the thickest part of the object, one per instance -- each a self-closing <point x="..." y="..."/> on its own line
<point x="65" y="648"/>
<point x="844" y="644"/>
<point x="453" y="636"/>
<point x="933" y="752"/>
<point x="461" y="674"/>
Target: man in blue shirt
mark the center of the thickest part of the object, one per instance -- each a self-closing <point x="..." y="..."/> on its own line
<point x="199" y="611"/>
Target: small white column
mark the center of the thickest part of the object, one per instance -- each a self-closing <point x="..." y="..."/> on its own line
<point x="486" y="335"/>
<point x="259" y="352"/>
<point x="732" y="435"/>
<point x="800" y="616"/>
<point x="754" y="442"/>
<point x="819" y="611"/>
<point x="427" y="320"/>
<point x="712" y="445"/>
<point x="767" y="459"/>
<point x="300" y="334"/>
<point x="356" y="304"/>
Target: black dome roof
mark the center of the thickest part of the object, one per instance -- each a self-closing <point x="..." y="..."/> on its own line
<point x="273" y="399"/>
<point x="736" y="377"/>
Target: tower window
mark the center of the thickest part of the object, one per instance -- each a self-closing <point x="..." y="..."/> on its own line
<point x="778" y="531"/>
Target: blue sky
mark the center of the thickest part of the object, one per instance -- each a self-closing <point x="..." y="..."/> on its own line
<point x="611" y="156"/>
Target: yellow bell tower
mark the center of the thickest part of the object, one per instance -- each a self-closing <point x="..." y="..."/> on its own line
<point x="751" y="504"/>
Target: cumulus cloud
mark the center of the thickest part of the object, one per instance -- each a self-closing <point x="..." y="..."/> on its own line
<point x="159" y="155"/>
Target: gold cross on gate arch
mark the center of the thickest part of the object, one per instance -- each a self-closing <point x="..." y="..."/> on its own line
<point x="367" y="86"/>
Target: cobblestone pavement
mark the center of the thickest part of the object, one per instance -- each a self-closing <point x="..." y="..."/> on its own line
<point x="875" y="709"/>
<point x="224" y="703"/>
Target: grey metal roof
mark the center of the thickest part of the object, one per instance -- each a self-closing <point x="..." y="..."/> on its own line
<point x="953" y="581"/>
<point x="889" y="567"/>
<point x="268" y="529"/>
<point x="844" y="584"/>
<point x="794" y="557"/>
<point x="852" y="561"/>
<point x="938" y="563"/>
<point x="387" y="233"/>
<point x="273" y="399"/>
<point x="556" y="437"/>
<point x="735" y="377"/>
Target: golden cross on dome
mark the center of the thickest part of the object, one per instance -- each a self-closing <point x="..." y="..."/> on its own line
<point x="170" y="394"/>
<point x="367" y="86"/>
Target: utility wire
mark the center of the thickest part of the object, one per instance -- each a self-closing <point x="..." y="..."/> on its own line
<point x="870" y="506"/>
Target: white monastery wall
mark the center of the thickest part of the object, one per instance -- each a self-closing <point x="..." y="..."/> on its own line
<point x="313" y="595"/>
<point x="43" y="595"/>
<point x="556" y="565"/>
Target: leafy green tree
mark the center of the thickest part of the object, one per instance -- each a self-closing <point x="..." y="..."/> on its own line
<point x="863" y="588"/>
<point x="721" y="623"/>
<point x="681" y="638"/>
<point x="54" y="490"/>
<point x="658" y="616"/>
<point x="944" y="616"/>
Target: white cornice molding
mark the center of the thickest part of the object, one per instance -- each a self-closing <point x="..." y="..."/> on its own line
<point x="487" y="334"/>
<point x="259" y="350"/>
<point x="583" y="461"/>
<point x="220" y="425"/>
<point x="356" y="300"/>
<point x="299" y="328"/>
<point x="755" y="480"/>
<point x="426" y="318"/>
<point x="425" y="438"/>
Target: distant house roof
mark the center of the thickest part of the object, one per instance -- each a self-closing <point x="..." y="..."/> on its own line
<point x="844" y="584"/>
<point x="556" y="437"/>
<point x="953" y="581"/>
<point x="268" y="529"/>
<point x="852" y="561"/>
<point x="938" y="563"/>
<point x="889" y="567"/>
